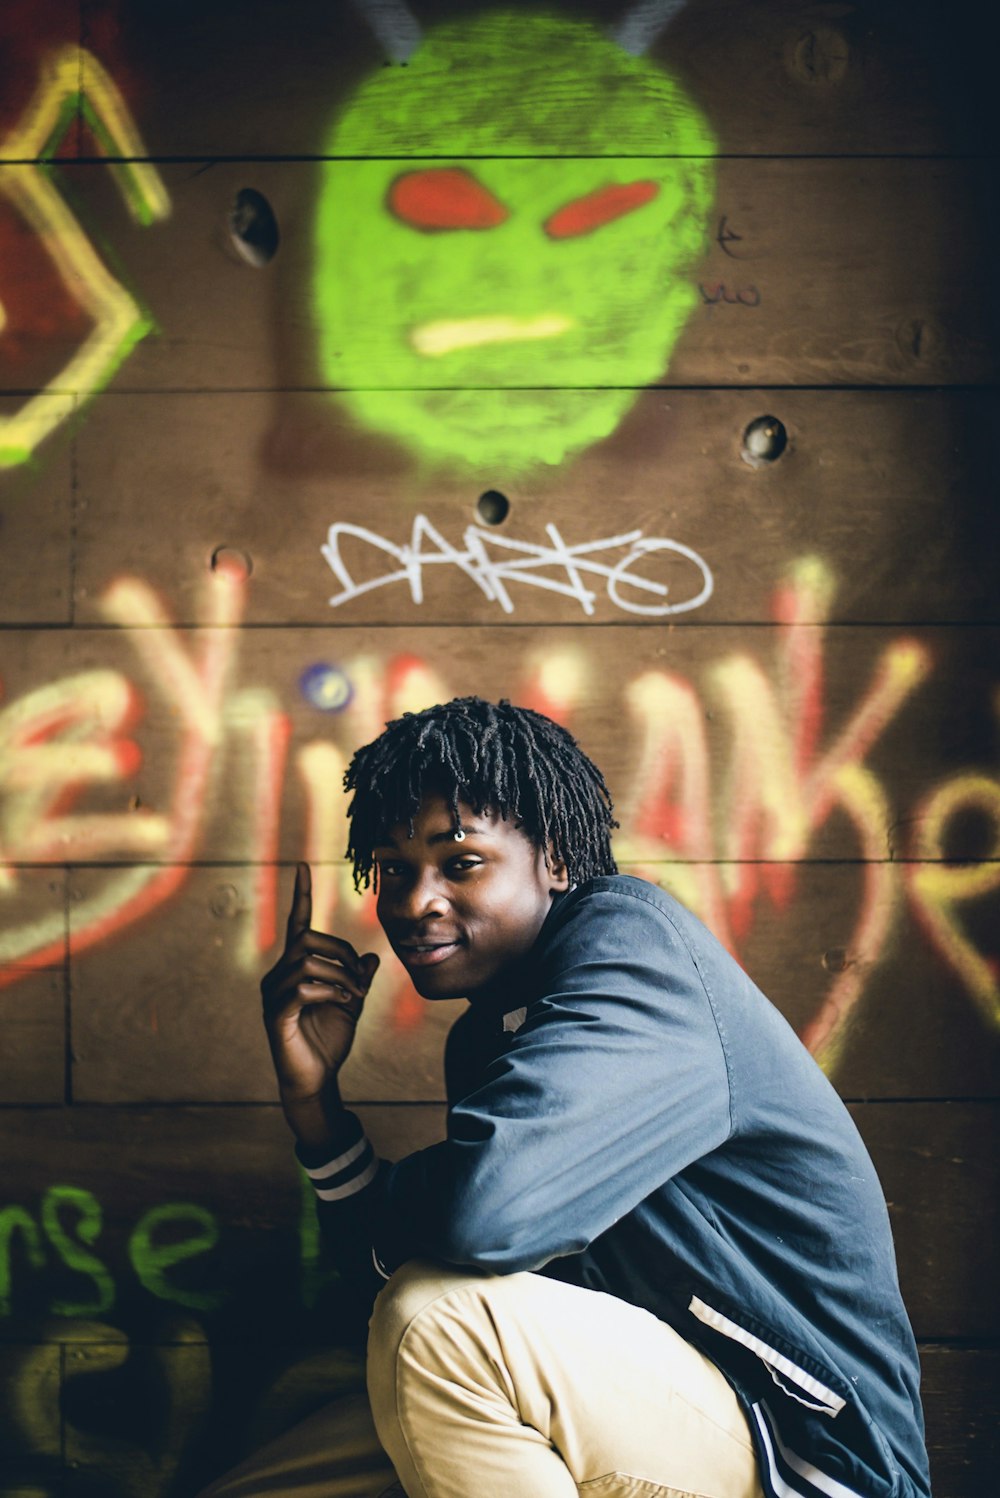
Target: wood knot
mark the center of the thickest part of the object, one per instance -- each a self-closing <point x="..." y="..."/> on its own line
<point x="819" y="57"/>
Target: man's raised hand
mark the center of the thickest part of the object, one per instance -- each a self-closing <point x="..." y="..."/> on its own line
<point x="312" y="999"/>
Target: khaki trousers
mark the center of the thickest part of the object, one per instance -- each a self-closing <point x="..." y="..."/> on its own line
<point x="515" y="1386"/>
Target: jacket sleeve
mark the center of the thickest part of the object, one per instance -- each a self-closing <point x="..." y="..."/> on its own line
<point x="616" y="1081"/>
<point x="350" y="1184"/>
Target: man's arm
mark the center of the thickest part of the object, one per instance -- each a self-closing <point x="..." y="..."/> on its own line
<point x="313" y="998"/>
<point x="615" y="1083"/>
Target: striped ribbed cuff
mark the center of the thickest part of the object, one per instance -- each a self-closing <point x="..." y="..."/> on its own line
<point x="345" y="1175"/>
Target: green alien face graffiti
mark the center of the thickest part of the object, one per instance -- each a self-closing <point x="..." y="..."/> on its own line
<point x="495" y="312"/>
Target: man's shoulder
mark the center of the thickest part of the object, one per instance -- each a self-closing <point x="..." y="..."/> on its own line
<point x="625" y="918"/>
<point x="620" y="909"/>
<point x="621" y="892"/>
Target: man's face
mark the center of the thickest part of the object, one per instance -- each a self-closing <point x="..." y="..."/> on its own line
<point x="460" y="915"/>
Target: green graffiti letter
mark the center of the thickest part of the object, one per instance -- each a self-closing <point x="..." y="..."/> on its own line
<point x="496" y="299"/>
<point x="88" y="1208"/>
<point x="150" y="1259"/>
<point x="12" y="1220"/>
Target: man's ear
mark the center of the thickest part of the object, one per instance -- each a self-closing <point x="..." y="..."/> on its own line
<point x="558" y="873"/>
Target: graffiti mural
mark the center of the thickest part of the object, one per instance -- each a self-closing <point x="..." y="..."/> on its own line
<point x="72" y="82"/>
<point x="503" y="283"/>
<point x="491" y="562"/>
<point x="723" y="841"/>
<point x="941" y="890"/>
<point x="492" y="227"/>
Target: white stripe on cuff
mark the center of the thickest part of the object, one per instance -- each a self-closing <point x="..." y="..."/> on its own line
<point x="334" y="1167"/>
<point x="337" y="1193"/>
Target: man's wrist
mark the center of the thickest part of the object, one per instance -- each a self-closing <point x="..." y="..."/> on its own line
<point x="345" y="1173"/>
<point x="320" y="1123"/>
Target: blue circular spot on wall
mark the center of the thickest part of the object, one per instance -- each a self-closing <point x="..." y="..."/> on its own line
<point x="326" y="687"/>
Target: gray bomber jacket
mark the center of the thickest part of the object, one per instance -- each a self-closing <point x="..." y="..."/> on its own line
<point x="654" y="1129"/>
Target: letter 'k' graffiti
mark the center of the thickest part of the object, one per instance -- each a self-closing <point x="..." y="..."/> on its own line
<point x="73" y="82"/>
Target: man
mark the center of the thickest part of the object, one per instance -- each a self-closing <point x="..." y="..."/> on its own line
<point x="652" y="1256"/>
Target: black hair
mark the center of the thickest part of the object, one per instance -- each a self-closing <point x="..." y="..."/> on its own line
<point x="492" y="756"/>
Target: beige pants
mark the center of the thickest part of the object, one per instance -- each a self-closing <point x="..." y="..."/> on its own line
<point x="515" y="1386"/>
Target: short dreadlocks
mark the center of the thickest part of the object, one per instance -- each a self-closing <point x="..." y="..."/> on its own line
<point x="492" y="756"/>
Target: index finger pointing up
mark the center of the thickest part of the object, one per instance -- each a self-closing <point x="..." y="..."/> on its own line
<point x="300" y="915"/>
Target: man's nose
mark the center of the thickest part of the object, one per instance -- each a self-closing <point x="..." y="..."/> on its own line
<point x="424" y="897"/>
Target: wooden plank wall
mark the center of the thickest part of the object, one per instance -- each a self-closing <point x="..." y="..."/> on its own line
<point x="789" y="667"/>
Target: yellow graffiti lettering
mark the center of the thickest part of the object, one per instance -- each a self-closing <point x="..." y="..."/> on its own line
<point x="257" y="717"/>
<point x="54" y="741"/>
<point x="321" y="769"/>
<point x="940" y="889"/>
<point x="714" y="850"/>
<point x="70" y="76"/>
<point x="196" y="683"/>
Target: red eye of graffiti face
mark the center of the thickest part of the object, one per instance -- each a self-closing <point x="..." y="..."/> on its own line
<point x="444" y="197"/>
<point x="584" y="215"/>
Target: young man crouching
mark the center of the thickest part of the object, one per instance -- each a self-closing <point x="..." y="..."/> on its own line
<point x="652" y="1256"/>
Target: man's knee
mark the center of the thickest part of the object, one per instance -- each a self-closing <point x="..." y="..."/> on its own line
<point x="418" y="1292"/>
<point x="411" y="1292"/>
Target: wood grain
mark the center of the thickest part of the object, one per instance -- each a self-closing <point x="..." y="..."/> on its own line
<point x="33" y="1040"/>
<point x="961" y="1393"/>
<point x="168" y="1012"/>
<point x="937" y="1162"/>
<point x="773" y="76"/>
<point x="845" y="286"/>
<point x="922" y="698"/>
<point x="230" y="1170"/>
<point x="820" y="245"/>
<point x="885" y="487"/>
<point x="33" y="1031"/>
<point x="30" y="1437"/>
<point x="35" y="520"/>
<point x="258" y="1392"/>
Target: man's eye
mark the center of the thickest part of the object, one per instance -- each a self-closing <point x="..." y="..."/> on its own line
<point x="585" y="214"/>
<point x="444" y="197"/>
<point x="463" y="865"/>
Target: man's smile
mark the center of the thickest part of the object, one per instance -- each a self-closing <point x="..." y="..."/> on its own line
<point x="424" y="952"/>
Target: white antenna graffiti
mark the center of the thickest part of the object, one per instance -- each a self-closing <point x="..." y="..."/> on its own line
<point x="395" y="26"/>
<point x="638" y="29"/>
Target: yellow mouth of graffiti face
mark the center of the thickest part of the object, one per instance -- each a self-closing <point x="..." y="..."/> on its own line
<point x="432" y="339"/>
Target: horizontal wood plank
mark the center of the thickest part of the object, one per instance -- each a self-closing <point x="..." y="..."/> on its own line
<point x="774" y="78"/>
<point x="939" y="1164"/>
<point x="812" y="293"/>
<point x="33" y="1034"/>
<point x="257" y="1280"/>
<point x="961" y="1394"/>
<point x="167" y="1009"/>
<point x="884" y="487"/>
<point x="826" y="795"/>
<point x="192" y="1214"/>
<point x="225" y="744"/>
<point x="36" y="557"/>
<point x="122" y="1398"/>
<point x="33" y="1040"/>
<point x="30" y="1434"/>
